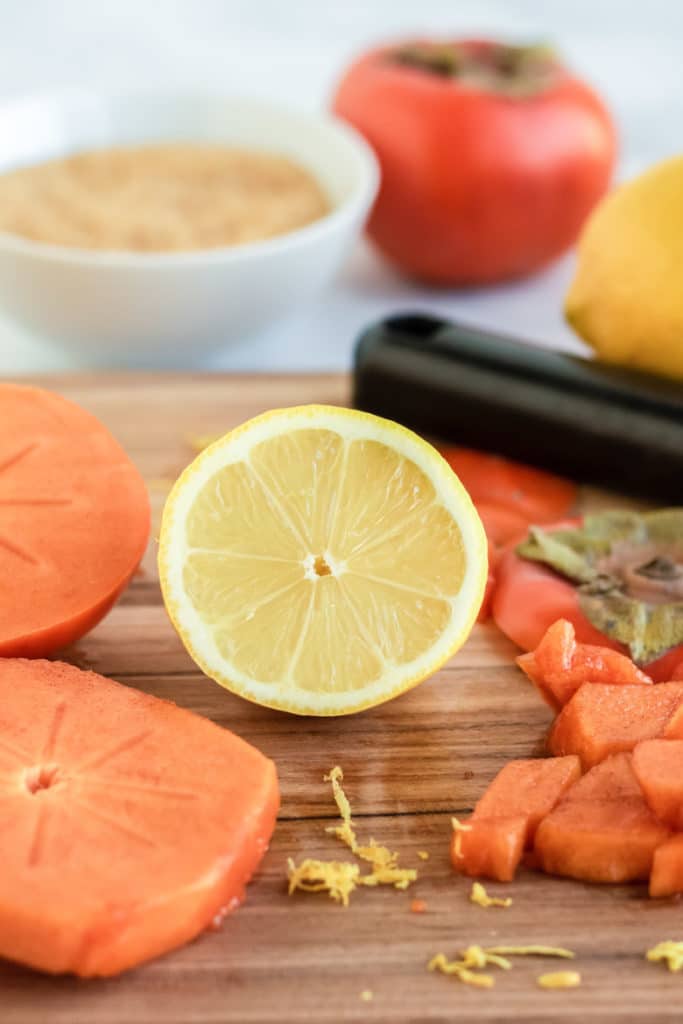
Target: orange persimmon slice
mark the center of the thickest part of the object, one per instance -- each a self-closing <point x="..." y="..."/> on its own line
<point x="491" y="842"/>
<point x="74" y="521"/>
<point x="535" y="495"/>
<point x="560" y="665"/>
<point x="529" y="597"/>
<point x="658" y="765"/>
<point x="603" y="830"/>
<point x="602" y="719"/>
<point x="666" y="878"/>
<point x="530" y="787"/>
<point x="127" y="823"/>
<point x="489" y="847"/>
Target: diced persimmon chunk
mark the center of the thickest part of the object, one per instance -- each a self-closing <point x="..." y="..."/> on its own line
<point x="602" y="719"/>
<point x="674" y="727"/>
<point x="666" y="878"/>
<point x="560" y="665"/>
<point x="603" y="830"/>
<point x="489" y="847"/>
<point x="658" y="765"/>
<point x="530" y="788"/>
<point x="505" y="819"/>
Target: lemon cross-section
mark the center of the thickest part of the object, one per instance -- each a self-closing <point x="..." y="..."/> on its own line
<point x="321" y="560"/>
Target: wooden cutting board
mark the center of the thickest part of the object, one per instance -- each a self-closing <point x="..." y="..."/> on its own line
<point x="409" y="766"/>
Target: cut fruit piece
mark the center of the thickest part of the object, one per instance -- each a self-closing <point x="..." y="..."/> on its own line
<point x="489" y="847"/>
<point x="603" y="830"/>
<point x="666" y="878"/>
<point x="321" y="560"/>
<point x="560" y="665"/>
<point x="602" y="719"/>
<point x="485" y="608"/>
<point x="658" y="765"/>
<point x="129" y="823"/>
<point x="492" y="841"/>
<point x="528" y="788"/>
<point x="74" y="521"/>
<point x="530" y="596"/>
<point x="533" y="494"/>
<point x="674" y="727"/>
<point x="503" y="526"/>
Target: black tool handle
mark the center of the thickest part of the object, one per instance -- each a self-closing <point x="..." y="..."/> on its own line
<point x="575" y="417"/>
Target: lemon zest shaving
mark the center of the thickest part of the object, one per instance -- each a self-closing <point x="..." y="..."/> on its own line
<point x="385" y="867"/>
<point x="341" y="878"/>
<point x="423" y="855"/>
<point x="566" y="954"/>
<point x="480" y="896"/>
<point x="384" y="863"/>
<point x="476" y="956"/>
<point x="367" y="995"/>
<point x="559" y="979"/>
<point x="344" y="832"/>
<point x="461" y="970"/>
<point x="338" y="878"/>
<point x="459" y="828"/>
<point x="669" y="951"/>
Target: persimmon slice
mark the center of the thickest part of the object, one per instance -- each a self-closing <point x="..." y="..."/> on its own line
<point x="74" y="521"/>
<point x="603" y="830"/>
<point x="126" y="823"/>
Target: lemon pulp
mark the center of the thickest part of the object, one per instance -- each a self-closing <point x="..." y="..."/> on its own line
<point x="315" y="568"/>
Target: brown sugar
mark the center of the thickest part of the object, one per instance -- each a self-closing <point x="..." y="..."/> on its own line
<point x="160" y="198"/>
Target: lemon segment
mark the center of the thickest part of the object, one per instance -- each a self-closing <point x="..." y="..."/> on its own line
<point x="321" y="560"/>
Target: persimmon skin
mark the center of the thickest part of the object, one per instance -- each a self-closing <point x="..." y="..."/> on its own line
<point x="509" y="496"/>
<point x="478" y="186"/>
<point x="43" y="642"/>
<point x="509" y="493"/>
<point x="74" y="521"/>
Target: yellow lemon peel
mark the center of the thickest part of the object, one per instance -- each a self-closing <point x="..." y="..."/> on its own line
<point x="338" y="878"/>
<point x="559" y="979"/>
<point x="423" y="855"/>
<point x="367" y="995"/>
<point x="480" y="896"/>
<point x="476" y="958"/>
<point x="558" y="951"/>
<point x="460" y="970"/>
<point x="344" y="832"/>
<point x="341" y="878"/>
<point x="669" y="951"/>
<point x="385" y="867"/>
<point x="459" y="828"/>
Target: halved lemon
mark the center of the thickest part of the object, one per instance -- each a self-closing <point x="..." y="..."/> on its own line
<point x="321" y="560"/>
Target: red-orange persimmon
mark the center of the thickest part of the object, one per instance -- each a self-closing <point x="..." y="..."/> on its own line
<point x="492" y="155"/>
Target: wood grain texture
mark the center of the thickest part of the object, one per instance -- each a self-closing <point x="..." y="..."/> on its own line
<point x="409" y="765"/>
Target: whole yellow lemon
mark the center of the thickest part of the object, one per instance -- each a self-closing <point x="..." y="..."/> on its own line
<point x="626" y="299"/>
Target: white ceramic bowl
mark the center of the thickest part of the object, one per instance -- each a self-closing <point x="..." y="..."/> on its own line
<point x="122" y="308"/>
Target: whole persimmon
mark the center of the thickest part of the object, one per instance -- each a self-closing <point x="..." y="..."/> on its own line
<point x="492" y="155"/>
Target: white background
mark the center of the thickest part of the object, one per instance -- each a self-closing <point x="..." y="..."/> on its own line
<point x="293" y="50"/>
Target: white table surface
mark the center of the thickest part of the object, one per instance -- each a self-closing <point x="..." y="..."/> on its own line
<point x="294" y="49"/>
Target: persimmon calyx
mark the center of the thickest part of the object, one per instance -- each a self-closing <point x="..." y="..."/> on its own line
<point x="628" y="570"/>
<point x="497" y="67"/>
